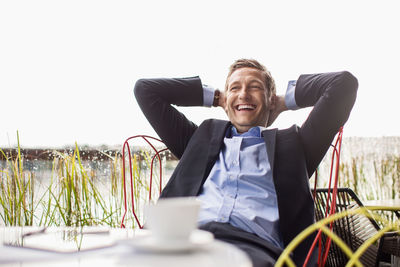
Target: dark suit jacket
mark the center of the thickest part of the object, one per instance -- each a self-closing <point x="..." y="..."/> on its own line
<point x="294" y="152"/>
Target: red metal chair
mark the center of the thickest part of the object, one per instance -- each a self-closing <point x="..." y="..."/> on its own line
<point x="354" y="230"/>
<point x="323" y="248"/>
<point x="127" y="152"/>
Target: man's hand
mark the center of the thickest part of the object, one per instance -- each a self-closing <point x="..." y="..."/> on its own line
<point x="221" y="101"/>
<point x="279" y="102"/>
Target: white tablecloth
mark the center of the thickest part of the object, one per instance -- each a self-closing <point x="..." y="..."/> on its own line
<point x="121" y="253"/>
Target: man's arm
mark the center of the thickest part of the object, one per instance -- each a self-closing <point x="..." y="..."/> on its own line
<point x="333" y="96"/>
<point x="156" y="97"/>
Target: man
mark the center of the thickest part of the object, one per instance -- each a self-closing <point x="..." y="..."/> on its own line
<point x="252" y="181"/>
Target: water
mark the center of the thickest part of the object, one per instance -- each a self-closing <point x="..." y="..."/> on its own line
<point x="93" y="191"/>
<point x="370" y="166"/>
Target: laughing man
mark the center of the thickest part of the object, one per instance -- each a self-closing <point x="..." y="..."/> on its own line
<point x="252" y="180"/>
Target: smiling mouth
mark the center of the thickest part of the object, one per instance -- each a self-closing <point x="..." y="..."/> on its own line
<point x="245" y="107"/>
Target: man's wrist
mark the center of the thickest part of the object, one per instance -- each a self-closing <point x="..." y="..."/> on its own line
<point x="290" y="100"/>
<point x="208" y="95"/>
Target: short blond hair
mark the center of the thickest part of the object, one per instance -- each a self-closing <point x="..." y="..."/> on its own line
<point x="252" y="63"/>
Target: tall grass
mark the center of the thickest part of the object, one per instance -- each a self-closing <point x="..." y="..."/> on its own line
<point x="370" y="168"/>
<point x="16" y="192"/>
<point x="74" y="196"/>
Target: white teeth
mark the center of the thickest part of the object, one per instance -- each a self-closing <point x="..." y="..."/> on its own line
<point x="240" y="107"/>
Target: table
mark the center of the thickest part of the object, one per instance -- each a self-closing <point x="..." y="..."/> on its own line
<point x="118" y="252"/>
<point x="384" y="204"/>
<point x="395" y="203"/>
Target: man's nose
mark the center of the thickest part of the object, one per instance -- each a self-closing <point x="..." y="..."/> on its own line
<point x="244" y="93"/>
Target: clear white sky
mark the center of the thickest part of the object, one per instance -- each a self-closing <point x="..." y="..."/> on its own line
<point x="67" y="68"/>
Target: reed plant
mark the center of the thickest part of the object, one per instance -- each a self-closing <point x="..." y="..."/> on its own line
<point x="17" y="190"/>
<point x="377" y="178"/>
<point x="371" y="176"/>
<point x="74" y="195"/>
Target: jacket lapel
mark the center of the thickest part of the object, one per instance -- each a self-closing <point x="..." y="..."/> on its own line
<point x="218" y="130"/>
<point x="197" y="161"/>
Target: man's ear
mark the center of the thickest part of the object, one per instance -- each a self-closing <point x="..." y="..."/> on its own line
<point x="224" y="100"/>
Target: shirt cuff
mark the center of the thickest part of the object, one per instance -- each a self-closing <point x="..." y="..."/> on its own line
<point x="290" y="99"/>
<point x="208" y="95"/>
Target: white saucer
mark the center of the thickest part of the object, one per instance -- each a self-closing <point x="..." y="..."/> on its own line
<point x="147" y="243"/>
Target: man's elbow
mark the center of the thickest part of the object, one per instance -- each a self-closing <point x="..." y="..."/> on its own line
<point x="349" y="81"/>
<point x="140" y="87"/>
<point x="346" y="88"/>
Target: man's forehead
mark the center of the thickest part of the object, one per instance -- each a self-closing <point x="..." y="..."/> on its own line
<point x="246" y="74"/>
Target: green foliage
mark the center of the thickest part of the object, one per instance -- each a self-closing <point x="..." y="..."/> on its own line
<point x="74" y="196"/>
<point x="16" y="192"/>
<point x="372" y="176"/>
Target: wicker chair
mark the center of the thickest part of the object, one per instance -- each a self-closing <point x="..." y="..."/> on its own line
<point x="354" y="230"/>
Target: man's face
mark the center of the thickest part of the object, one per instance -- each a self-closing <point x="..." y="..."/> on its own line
<point x="247" y="103"/>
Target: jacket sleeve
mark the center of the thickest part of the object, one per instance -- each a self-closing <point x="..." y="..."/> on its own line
<point x="333" y="96"/>
<point x="156" y="98"/>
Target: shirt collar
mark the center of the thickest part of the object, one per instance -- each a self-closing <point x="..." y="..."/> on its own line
<point x="252" y="132"/>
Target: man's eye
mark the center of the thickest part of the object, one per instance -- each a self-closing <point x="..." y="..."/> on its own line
<point x="234" y="88"/>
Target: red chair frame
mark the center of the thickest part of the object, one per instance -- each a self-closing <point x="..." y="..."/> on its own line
<point x="331" y="203"/>
<point x="157" y="154"/>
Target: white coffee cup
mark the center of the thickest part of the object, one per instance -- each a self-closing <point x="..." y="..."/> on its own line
<point x="172" y="219"/>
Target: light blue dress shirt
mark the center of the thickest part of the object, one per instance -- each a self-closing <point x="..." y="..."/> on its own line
<point x="240" y="188"/>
